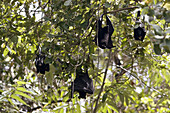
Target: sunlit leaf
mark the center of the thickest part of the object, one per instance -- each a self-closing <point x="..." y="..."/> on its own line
<point x="21" y="82"/>
<point x="19" y="99"/>
<point x="112" y="105"/>
<point x="23" y="94"/>
<point x="5" y="52"/>
<point x="10" y="101"/>
<point x="161" y="100"/>
<point x="167" y="6"/>
<point x="23" y="90"/>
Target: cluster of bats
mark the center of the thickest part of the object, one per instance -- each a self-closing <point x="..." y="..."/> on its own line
<point x="83" y="83"/>
<point x="103" y="37"/>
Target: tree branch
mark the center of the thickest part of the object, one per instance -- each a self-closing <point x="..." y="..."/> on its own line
<point x="122" y="9"/>
<point x="104" y="78"/>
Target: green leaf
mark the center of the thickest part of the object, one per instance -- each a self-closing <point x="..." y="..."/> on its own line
<point x="23" y="90"/>
<point x="121" y="97"/>
<point x="78" y="108"/>
<point x="157" y="49"/>
<point x="127" y="100"/>
<point x="151" y="12"/>
<point x="10" y="101"/>
<point x="23" y="94"/>
<point x="161" y="100"/>
<point x="113" y="106"/>
<point x="167" y="15"/>
<point x="167" y="42"/>
<point x="167" y="49"/>
<point x="158" y="30"/>
<point x="19" y="99"/>
<point x="1" y="91"/>
<point x="5" y="51"/>
<point x="166" y="45"/>
<point x="14" y="39"/>
<point x="145" y="11"/>
<point x="104" y="97"/>
<point x="109" y="111"/>
<point x="167" y="6"/>
<point x="107" y="4"/>
<point x="21" y="82"/>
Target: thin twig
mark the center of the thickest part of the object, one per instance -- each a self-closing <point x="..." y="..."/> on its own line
<point x="104" y="78"/>
<point x="134" y="75"/>
<point x="122" y="9"/>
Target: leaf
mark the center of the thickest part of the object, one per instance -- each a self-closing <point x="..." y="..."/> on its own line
<point x="158" y="30"/>
<point x="10" y="101"/>
<point x="78" y="108"/>
<point x="168" y="31"/>
<point x="167" y="6"/>
<point x="23" y="94"/>
<point x="166" y="45"/>
<point x="21" y="82"/>
<point x="109" y="111"/>
<point x="145" y="10"/>
<point x="167" y="42"/>
<point x="3" y="45"/>
<point x="19" y="99"/>
<point x="1" y="91"/>
<point x="105" y="108"/>
<point x="49" y="75"/>
<point x="161" y="100"/>
<point x="167" y="49"/>
<point x="5" y="51"/>
<point x="151" y="12"/>
<point x="99" y="106"/>
<point x="23" y="90"/>
<point x="107" y="4"/>
<point x="127" y="100"/>
<point x="167" y="15"/>
<point x="121" y="97"/>
<point x="113" y="106"/>
<point x="67" y="3"/>
<point x="14" y="39"/>
<point x="104" y="97"/>
<point x="157" y="49"/>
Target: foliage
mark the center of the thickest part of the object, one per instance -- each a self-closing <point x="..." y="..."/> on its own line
<point x="65" y="30"/>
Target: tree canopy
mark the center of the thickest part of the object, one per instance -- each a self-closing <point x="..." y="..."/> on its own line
<point x="133" y="76"/>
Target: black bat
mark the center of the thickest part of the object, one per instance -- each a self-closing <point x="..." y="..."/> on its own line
<point x="40" y="65"/>
<point x="104" y="34"/>
<point x="139" y="32"/>
<point x="82" y="84"/>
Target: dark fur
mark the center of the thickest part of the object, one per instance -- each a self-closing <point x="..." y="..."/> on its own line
<point x="40" y="65"/>
<point x="104" y="34"/>
<point x="83" y="84"/>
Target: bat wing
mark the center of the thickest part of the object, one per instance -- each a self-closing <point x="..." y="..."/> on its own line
<point x="109" y="23"/>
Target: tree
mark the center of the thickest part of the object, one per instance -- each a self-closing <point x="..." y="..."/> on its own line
<point x="64" y="30"/>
